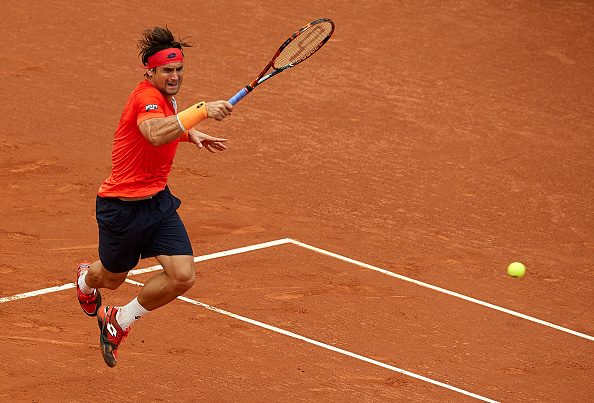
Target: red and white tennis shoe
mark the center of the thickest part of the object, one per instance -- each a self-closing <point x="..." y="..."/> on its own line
<point x="112" y="334"/>
<point x="89" y="303"/>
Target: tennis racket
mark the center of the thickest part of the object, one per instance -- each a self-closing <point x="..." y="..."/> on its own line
<point x="299" y="47"/>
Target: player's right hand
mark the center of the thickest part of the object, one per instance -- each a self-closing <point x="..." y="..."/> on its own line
<point x="218" y="109"/>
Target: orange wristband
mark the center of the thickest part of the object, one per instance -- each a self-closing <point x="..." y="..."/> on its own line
<point x="192" y="116"/>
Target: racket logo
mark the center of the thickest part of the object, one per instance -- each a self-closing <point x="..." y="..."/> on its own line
<point x="308" y="54"/>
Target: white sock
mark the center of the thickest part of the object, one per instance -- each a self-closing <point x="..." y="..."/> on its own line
<point x="82" y="285"/>
<point x="129" y="313"/>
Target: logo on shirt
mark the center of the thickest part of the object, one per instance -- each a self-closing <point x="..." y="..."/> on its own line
<point x="151" y="107"/>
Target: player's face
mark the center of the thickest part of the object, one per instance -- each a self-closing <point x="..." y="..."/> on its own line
<point x="167" y="78"/>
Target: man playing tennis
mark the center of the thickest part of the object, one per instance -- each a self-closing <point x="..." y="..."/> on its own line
<point x="136" y="213"/>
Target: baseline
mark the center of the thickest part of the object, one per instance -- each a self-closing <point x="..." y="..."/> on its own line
<point x="150" y="269"/>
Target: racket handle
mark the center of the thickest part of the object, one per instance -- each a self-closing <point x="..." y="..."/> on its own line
<point x="239" y="96"/>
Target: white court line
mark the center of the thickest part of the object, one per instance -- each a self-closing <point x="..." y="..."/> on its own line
<point x="221" y="254"/>
<point x="153" y="268"/>
<point x="36" y="293"/>
<point x="334" y="255"/>
<point x="328" y="347"/>
<point x="452" y="293"/>
<point x="327" y="253"/>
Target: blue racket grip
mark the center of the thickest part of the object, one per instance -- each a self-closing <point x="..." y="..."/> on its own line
<point x="239" y="96"/>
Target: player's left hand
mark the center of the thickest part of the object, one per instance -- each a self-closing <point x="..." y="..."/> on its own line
<point x="203" y="140"/>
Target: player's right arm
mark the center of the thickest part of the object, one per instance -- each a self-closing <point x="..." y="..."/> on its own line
<point x="160" y="131"/>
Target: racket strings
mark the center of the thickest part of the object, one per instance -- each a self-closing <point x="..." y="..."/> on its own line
<point x="303" y="45"/>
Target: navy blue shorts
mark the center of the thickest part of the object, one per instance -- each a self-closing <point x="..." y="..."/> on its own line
<point x="131" y="230"/>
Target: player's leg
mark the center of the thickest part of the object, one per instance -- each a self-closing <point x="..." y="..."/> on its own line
<point x="178" y="276"/>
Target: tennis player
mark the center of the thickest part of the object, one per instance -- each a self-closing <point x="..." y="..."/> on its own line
<point x="136" y="213"/>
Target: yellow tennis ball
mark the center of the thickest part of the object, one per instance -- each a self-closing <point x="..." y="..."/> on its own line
<point x="516" y="269"/>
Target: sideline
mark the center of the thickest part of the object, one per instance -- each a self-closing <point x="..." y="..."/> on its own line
<point x="328" y="347"/>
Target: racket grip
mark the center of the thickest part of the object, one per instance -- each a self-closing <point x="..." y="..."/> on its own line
<point x="239" y="96"/>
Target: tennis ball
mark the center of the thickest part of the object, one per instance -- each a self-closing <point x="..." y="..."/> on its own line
<point x="516" y="269"/>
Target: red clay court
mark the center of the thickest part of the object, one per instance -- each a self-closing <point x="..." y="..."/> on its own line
<point x="352" y="242"/>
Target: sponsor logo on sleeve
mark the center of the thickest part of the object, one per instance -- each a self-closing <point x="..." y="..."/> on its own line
<point x="151" y="107"/>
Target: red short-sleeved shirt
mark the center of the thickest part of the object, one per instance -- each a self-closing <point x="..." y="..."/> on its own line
<point x="139" y="168"/>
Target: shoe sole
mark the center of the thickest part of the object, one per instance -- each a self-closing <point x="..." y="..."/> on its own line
<point x="106" y="346"/>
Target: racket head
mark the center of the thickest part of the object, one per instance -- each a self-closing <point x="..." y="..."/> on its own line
<point x="299" y="47"/>
<point x="303" y="43"/>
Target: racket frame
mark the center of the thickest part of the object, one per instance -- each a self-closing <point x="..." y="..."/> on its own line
<point x="263" y="76"/>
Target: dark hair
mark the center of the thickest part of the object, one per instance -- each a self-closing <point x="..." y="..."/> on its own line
<point x="156" y="39"/>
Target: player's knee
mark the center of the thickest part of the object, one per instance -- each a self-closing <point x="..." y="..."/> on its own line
<point x="189" y="280"/>
<point x="184" y="281"/>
